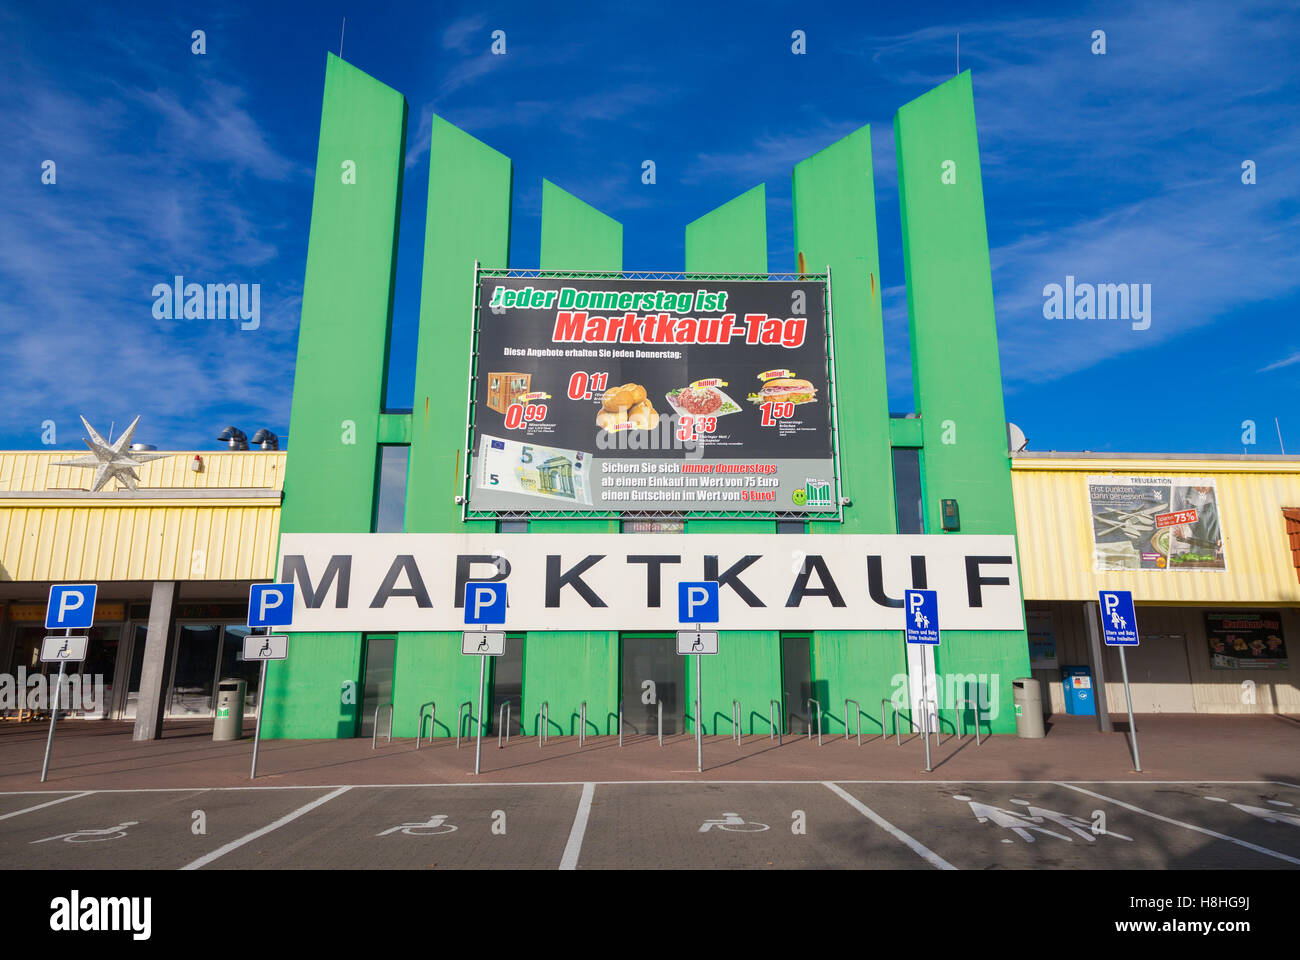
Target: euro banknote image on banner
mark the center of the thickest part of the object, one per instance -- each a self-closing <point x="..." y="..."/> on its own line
<point x="608" y="394"/>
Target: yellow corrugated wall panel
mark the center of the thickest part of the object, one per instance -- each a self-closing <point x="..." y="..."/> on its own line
<point x="1054" y="528"/>
<point x="35" y="470"/>
<point x="138" y="543"/>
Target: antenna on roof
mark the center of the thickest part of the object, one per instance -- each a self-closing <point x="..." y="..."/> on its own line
<point x="1279" y="436"/>
<point x="341" y="32"/>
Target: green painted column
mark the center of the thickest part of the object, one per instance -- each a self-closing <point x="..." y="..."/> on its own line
<point x="747" y="667"/>
<point x="955" y="369"/>
<point x="341" y="370"/>
<point x="835" y="226"/>
<point x="564" y="668"/>
<point x="467" y="219"/>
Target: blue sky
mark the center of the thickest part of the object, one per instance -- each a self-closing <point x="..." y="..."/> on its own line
<point x="1122" y="168"/>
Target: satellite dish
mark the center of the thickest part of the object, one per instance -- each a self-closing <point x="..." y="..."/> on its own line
<point x="1016" y="439"/>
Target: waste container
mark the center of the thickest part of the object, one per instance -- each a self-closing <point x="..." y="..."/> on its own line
<point x="1028" y="697"/>
<point x="1076" y="683"/>
<point x="230" y="709"/>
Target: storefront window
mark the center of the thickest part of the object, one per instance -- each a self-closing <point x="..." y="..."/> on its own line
<point x="907" y="490"/>
<point x="196" y="662"/>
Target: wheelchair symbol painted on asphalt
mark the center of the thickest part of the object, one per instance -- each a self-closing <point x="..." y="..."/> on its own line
<point x="432" y="827"/>
<point x="734" y="823"/>
<point x="93" y="836"/>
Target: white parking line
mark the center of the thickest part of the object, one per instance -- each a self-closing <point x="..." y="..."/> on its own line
<point x="922" y="851"/>
<point x="571" y="849"/>
<point x="1188" y="826"/>
<point x="50" y="803"/>
<point x="287" y="818"/>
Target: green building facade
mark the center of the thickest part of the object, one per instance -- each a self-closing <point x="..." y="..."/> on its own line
<point x="339" y="428"/>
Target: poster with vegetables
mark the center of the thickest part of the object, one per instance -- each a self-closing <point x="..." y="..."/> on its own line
<point x="1245" y="640"/>
<point x="1155" y="523"/>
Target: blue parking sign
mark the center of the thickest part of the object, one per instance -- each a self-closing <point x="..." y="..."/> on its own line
<point x="71" y="606"/>
<point x="922" y="615"/>
<point x="270" y="604"/>
<point x="1118" y="619"/>
<point x="697" y="601"/>
<point x="485" y="602"/>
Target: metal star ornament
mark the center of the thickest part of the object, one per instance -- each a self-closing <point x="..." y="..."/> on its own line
<point x="112" y="461"/>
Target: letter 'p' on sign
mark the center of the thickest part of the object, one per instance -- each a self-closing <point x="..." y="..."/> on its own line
<point x="697" y="602"/>
<point x="270" y="604"/>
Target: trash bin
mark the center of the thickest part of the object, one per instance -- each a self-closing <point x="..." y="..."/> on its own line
<point x="230" y="709"/>
<point x="1076" y="682"/>
<point x="1029" y="708"/>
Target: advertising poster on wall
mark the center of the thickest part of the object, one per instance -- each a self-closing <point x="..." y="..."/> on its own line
<point x="610" y="394"/>
<point x="1246" y="640"/>
<point x="1042" y="640"/>
<point x="1155" y="523"/>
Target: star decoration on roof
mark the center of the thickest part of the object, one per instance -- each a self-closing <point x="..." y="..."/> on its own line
<point x="112" y="461"/>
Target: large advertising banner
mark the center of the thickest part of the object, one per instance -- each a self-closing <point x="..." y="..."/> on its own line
<point x="1155" y="523"/>
<point x="1245" y="640"/>
<point x="597" y="395"/>
<point x="608" y="581"/>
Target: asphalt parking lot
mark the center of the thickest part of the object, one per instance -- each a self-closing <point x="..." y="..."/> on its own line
<point x="920" y="825"/>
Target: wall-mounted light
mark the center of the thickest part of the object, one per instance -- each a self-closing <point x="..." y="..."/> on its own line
<point x="196" y="464"/>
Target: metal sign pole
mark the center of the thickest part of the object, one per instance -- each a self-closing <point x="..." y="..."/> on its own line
<point x="54" y="714"/>
<point x="478" y="746"/>
<point x="1128" y="698"/>
<point x="261" y="699"/>
<point x="925" y="712"/>
<point x="699" y="711"/>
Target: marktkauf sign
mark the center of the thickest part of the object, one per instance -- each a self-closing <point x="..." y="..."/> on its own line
<point x="380" y="581"/>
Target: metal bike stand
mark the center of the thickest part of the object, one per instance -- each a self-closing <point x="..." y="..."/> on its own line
<point x="620" y="723"/>
<point x="898" y="732"/>
<point x="975" y="710"/>
<point x="543" y="719"/>
<point x="374" y="736"/>
<point x="419" y="723"/>
<point x="859" y="716"/>
<point x="582" y="724"/>
<point x="460" y="719"/>
<point x="505" y="708"/>
<point x="661" y="721"/>
<point x="736" y="719"/>
<point x="819" y="721"/>
<point x="773" y="709"/>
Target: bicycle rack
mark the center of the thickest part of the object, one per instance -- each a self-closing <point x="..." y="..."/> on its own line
<point x="736" y="719"/>
<point x="620" y="723"/>
<point x="819" y="720"/>
<point x="859" y="715"/>
<point x="661" y="722"/>
<point x="419" y="724"/>
<point x="898" y="732"/>
<point x="974" y="705"/>
<point x="374" y="737"/>
<point x="505" y="708"/>
<point x="774" y="708"/>
<point x="543" y="718"/>
<point x="582" y="724"/>
<point x="460" y="719"/>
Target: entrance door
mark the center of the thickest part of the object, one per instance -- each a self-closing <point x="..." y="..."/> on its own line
<point x="652" y="672"/>
<point x="506" y="685"/>
<point x="796" y="682"/>
<point x="377" y="685"/>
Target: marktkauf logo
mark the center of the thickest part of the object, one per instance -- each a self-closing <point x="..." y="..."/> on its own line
<point x="816" y="493"/>
<point x="76" y="913"/>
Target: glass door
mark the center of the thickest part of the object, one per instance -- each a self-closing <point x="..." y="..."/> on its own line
<point x="197" y="649"/>
<point x="377" y="685"/>
<point x="506" y="684"/>
<point x="796" y="682"/>
<point x="651" y="673"/>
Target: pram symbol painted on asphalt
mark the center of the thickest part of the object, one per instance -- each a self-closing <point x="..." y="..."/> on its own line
<point x="429" y="828"/>
<point x="734" y="823"/>
<point x="92" y="836"/>
<point x="1032" y="820"/>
